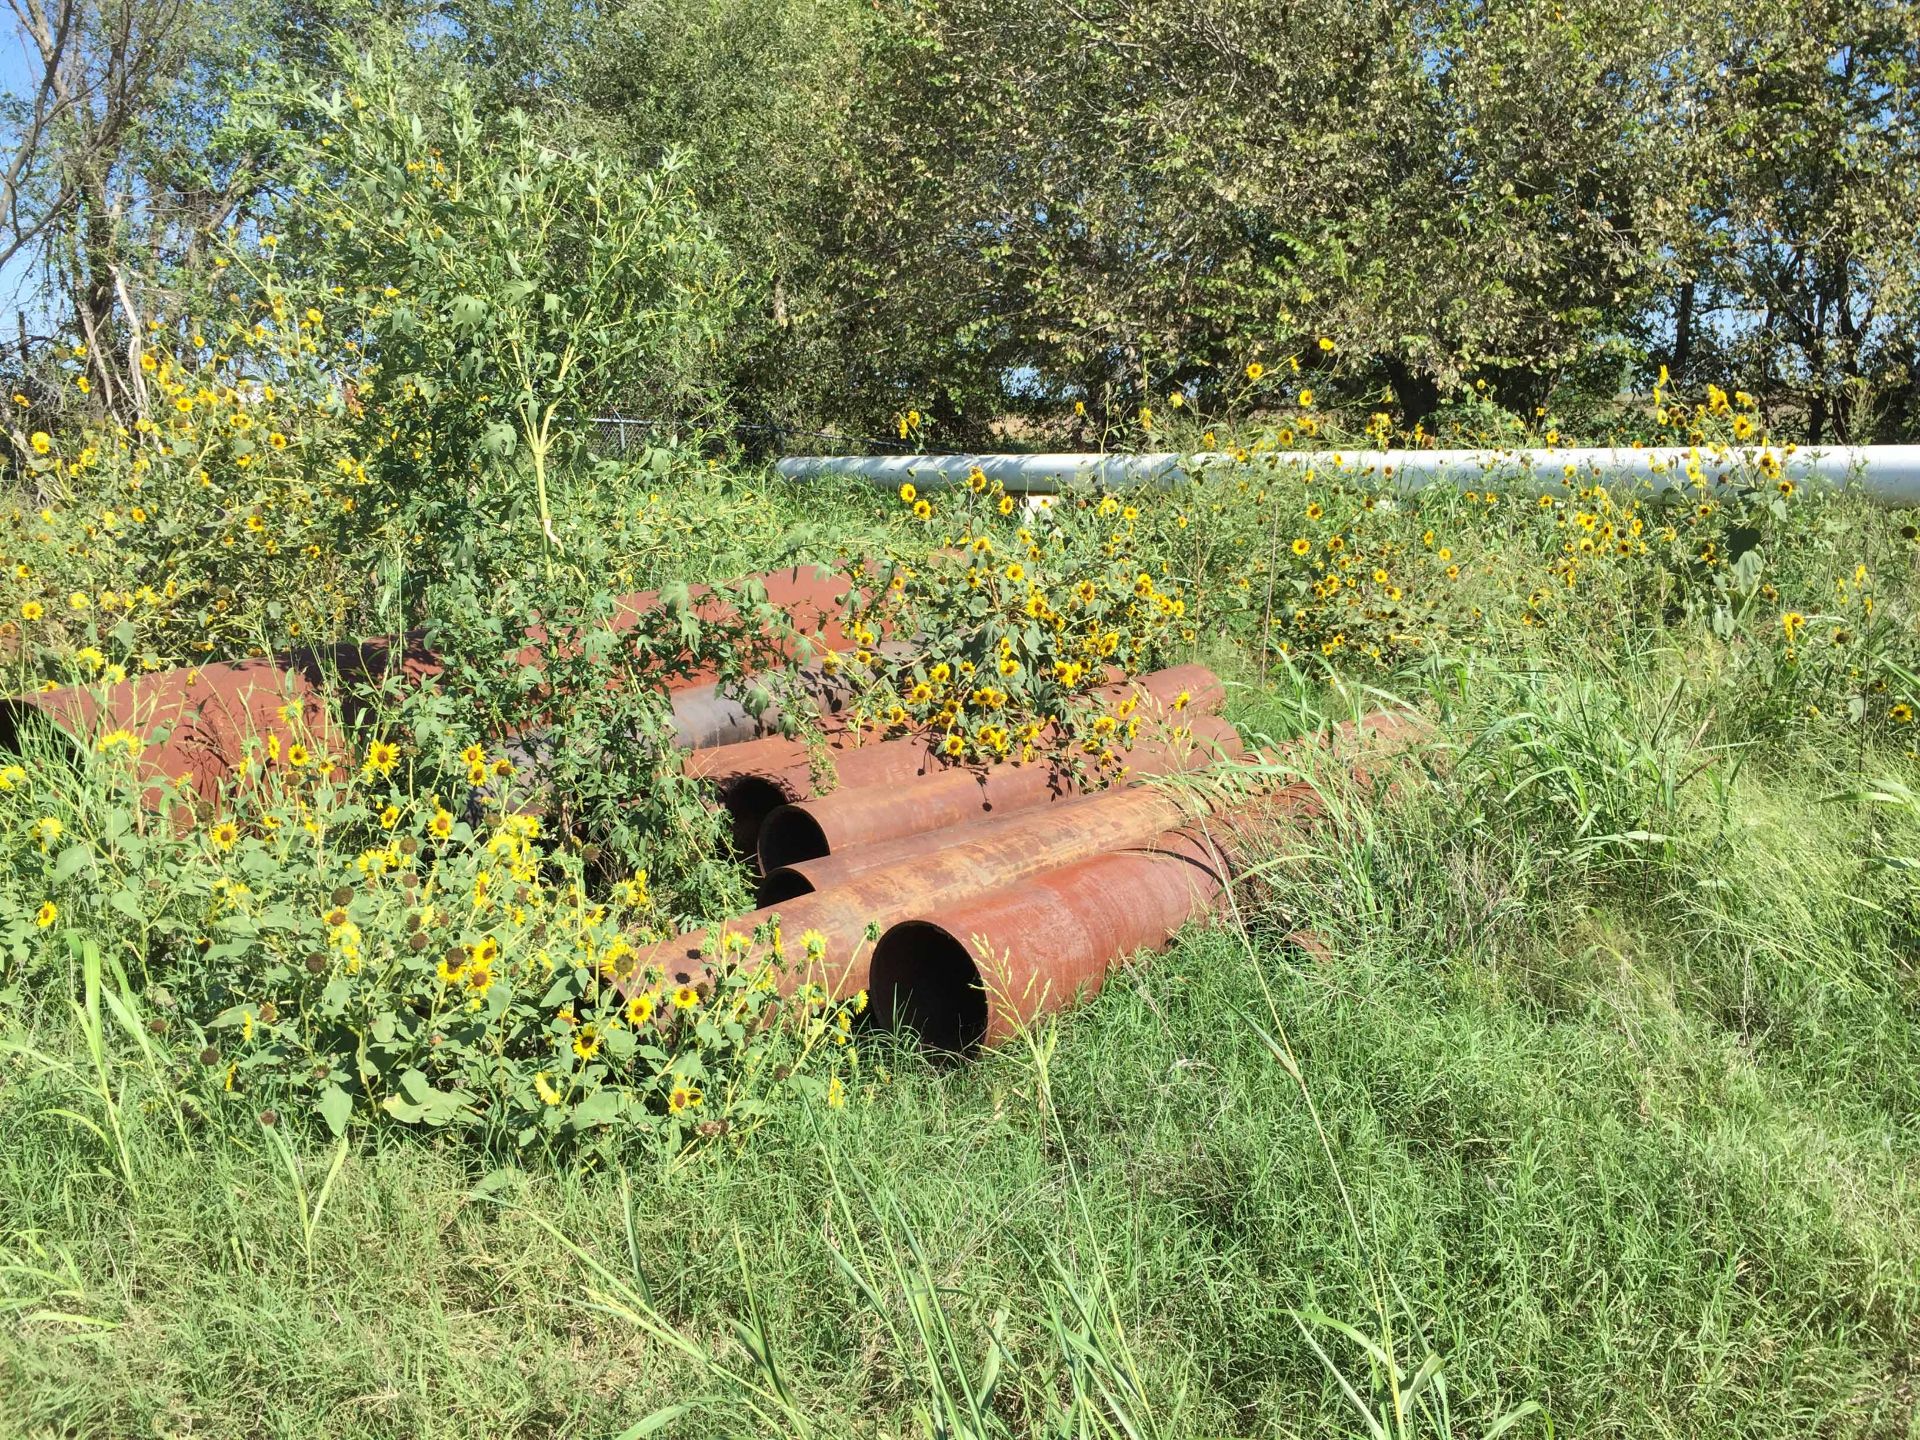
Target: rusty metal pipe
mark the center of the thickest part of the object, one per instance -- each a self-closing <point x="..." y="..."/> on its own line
<point x="707" y="716"/>
<point x="752" y="778"/>
<point x="194" y="727"/>
<point x="872" y="815"/>
<point x="974" y="971"/>
<point x="980" y="856"/>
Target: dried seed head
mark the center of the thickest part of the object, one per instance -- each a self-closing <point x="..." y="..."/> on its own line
<point x="316" y="963"/>
<point x="343" y="896"/>
<point x="210" y="1056"/>
<point x="416" y="942"/>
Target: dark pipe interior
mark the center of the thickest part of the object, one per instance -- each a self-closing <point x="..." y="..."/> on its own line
<point x="748" y="800"/>
<point x="925" y="981"/>
<point x="26" y="731"/>
<point x="788" y="836"/>
<point x="782" y="885"/>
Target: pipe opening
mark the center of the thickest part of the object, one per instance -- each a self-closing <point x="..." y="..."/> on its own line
<point x="28" y="733"/>
<point x="789" y="835"/>
<point x="782" y="885"/>
<point x="748" y="800"/>
<point x="925" y="981"/>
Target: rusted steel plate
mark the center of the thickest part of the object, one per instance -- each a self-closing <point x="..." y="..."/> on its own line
<point x="202" y="727"/>
<point x="874" y="815"/>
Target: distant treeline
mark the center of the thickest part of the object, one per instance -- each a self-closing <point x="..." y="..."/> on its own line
<point x="1056" y="211"/>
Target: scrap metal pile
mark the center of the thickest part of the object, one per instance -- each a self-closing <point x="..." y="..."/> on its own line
<point x="964" y="899"/>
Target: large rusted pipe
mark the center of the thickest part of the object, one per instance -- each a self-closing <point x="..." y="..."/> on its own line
<point x="814" y="600"/>
<point x="707" y="716"/>
<point x="1352" y="746"/>
<point x="752" y="778"/>
<point x="971" y="973"/>
<point x="974" y="971"/>
<point x="938" y="802"/>
<point x="197" y="727"/>
<point x="980" y="856"/>
<point x="827" y="872"/>
<point x="984" y="856"/>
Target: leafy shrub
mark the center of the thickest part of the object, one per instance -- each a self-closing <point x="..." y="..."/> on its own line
<point x="338" y="941"/>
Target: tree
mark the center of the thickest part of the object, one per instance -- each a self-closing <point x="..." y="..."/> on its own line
<point x="503" y="287"/>
<point x="1805" y="175"/>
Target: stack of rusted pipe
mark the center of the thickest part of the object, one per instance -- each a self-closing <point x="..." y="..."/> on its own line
<point x="888" y="790"/>
<point x="965" y="899"/>
<point x="196" y="724"/>
<point x="964" y="922"/>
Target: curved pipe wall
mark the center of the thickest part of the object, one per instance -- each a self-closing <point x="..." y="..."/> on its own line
<point x="1889" y="474"/>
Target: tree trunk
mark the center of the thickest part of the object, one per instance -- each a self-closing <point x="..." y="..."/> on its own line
<point x="1682" y="331"/>
<point x="1418" y="396"/>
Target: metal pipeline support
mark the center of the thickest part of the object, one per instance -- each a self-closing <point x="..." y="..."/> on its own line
<point x="1889" y="474"/>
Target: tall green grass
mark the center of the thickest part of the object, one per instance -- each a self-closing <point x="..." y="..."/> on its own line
<point x="1593" y="1114"/>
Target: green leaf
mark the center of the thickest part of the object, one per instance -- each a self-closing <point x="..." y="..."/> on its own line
<point x="72" y="861"/>
<point x="602" y="1107"/>
<point x="336" y="1108"/>
<point x="468" y="311"/>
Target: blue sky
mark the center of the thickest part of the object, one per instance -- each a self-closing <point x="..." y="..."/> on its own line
<point x="19" y="288"/>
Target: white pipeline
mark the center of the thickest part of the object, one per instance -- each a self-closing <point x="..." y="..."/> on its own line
<point x="1889" y="474"/>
